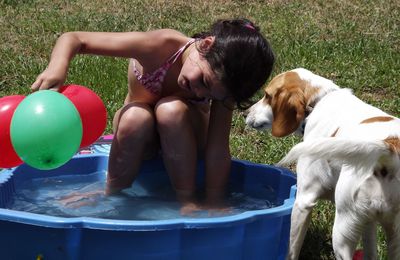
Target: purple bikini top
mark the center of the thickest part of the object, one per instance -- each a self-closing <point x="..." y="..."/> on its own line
<point x="153" y="81"/>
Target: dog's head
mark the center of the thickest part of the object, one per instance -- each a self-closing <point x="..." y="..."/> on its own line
<point x="287" y="100"/>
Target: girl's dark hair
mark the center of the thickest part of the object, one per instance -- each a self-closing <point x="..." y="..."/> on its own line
<point x="241" y="57"/>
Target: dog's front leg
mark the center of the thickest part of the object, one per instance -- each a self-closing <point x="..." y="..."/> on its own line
<point x="309" y="190"/>
<point x="300" y="220"/>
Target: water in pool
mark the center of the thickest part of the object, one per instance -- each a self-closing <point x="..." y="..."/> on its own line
<point x="83" y="195"/>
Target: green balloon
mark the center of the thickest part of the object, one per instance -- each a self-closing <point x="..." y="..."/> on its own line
<point x="46" y="130"/>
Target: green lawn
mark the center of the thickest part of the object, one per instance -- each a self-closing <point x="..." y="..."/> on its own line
<point x="354" y="43"/>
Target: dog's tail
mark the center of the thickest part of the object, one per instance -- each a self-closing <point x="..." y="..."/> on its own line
<point x="349" y="151"/>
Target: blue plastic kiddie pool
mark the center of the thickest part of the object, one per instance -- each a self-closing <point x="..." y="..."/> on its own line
<point x="253" y="234"/>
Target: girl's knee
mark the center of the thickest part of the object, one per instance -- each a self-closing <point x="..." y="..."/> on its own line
<point x="135" y="120"/>
<point x="171" y="111"/>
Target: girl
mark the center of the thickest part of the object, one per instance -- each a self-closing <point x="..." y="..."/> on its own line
<point x="181" y="93"/>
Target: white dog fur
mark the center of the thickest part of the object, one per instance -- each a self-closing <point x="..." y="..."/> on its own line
<point x="350" y="155"/>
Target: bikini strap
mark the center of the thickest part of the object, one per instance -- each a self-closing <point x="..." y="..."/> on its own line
<point x="176" y="55"/>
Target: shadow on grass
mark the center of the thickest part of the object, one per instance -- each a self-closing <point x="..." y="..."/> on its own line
<point x="318" y="241"/>
<point x="317" y="245"/>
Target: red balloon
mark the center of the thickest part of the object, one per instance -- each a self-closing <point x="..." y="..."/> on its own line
<point x="91" y="109"/>
<point x="8" y="156"/>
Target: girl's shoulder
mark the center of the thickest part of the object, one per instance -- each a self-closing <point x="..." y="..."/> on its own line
<point x="167" y="36"/>
<point x="168" y="32"/>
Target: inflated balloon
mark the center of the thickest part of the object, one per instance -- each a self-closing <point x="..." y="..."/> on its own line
<point x="91" y="109"/>
<point x="46" y="130"/>
<point x="8" y="156"/>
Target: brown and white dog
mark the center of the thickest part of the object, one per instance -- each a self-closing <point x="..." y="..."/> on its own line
<point x="350" y="155"/>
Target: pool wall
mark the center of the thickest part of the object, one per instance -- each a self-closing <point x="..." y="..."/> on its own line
<point x="257" y="234"/>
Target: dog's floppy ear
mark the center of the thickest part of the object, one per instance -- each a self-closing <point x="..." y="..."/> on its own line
<point x="288" y="107"/>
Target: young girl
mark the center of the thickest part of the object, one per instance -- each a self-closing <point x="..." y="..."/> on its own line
<point x="181" y="93"/>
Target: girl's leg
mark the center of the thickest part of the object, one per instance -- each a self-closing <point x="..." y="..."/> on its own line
<point x="135" y="138"/>
<point x="183" y="129"/>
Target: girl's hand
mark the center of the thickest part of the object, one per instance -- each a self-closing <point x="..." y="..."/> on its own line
<point x="50" y="78"/>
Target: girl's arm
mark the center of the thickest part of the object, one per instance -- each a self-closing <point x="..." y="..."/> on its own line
<point x="218" y="157"/>
<point x="124" y="44"/>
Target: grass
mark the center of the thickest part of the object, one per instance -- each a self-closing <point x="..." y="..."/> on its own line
<point x="353" y="42"/>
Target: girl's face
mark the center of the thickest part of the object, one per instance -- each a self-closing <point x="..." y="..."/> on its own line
<point x="197" y="77"/>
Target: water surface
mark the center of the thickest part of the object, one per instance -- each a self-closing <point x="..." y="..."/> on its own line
<point x="83" y="195"/>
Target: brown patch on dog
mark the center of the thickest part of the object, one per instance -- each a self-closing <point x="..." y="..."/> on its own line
<point x="288" y="97"/>
<point x="377" y="119"/>
<point x="394" y="144"/>
<point x="334" y="133"/>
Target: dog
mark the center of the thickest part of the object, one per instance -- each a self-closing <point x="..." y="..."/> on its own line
<point x="350" y="154"/>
